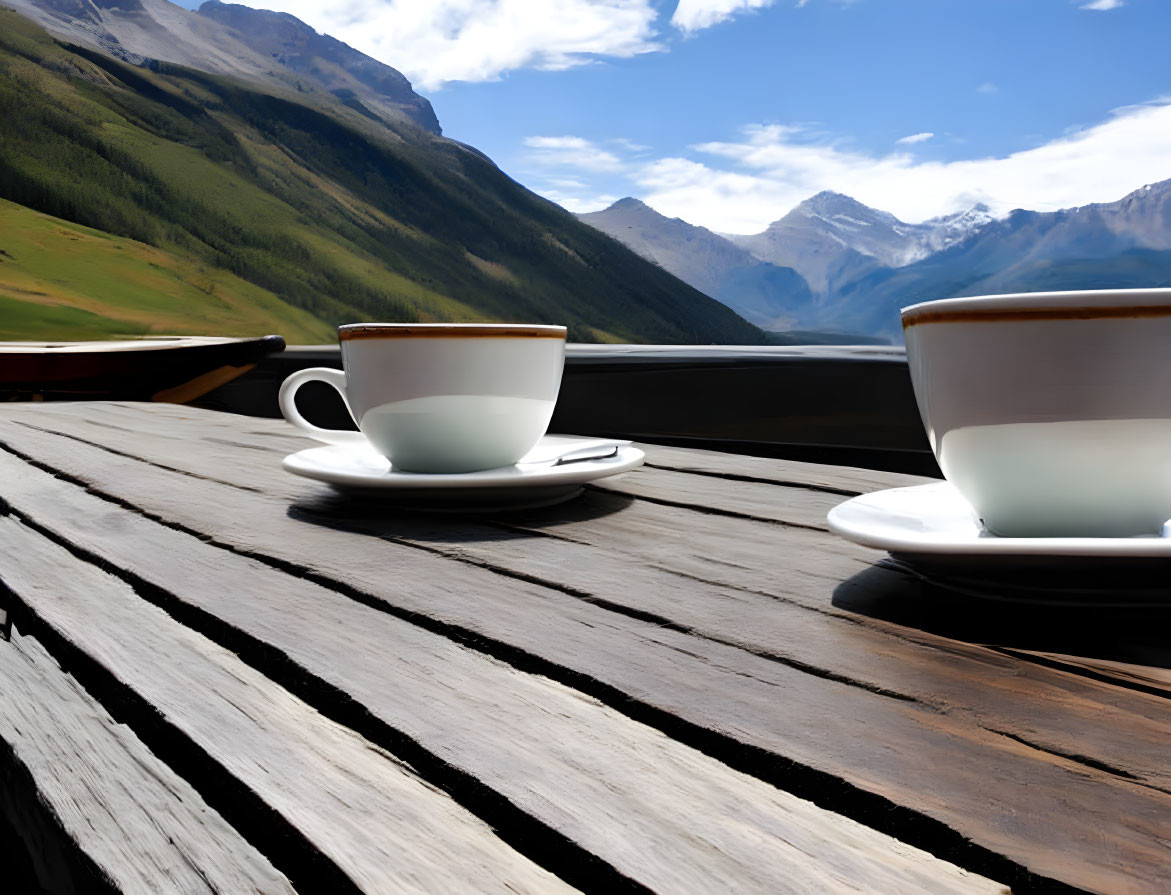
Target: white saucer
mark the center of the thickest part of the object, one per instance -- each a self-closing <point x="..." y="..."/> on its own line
<point x="935" y="521"/>
<point x="536" y="480"/>
<point x="935" y="531"/>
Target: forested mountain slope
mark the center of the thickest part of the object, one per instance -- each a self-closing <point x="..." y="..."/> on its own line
<point x="63" y="281"/>
<point x="321" y="202"/>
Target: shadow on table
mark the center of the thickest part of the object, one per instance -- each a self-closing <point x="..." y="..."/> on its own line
<point x="453" y="525"/>
<point x="1087" y="618"/>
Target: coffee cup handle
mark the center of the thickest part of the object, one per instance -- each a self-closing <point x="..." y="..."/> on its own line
<point x="287" y="400"/>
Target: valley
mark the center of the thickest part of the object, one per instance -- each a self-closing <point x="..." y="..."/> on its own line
<point x="329" y="206"/>
<point x="313" y="186"/>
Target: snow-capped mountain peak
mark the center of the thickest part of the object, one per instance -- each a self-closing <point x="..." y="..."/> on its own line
<point x="831" y="229"/>
<point x="950" y="229"/>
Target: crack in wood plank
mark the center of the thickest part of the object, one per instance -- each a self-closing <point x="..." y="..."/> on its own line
<point x="761" y="480"/>
<point x="1069" y="666"/>
<point x="701" y="508"/>
<point x="1083" y="760"/>
<point x="130" y="456"/>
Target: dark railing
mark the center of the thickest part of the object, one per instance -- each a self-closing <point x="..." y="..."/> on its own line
<point x="847" y="405"/>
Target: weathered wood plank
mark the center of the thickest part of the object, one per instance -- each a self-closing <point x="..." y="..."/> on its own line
<point x="1050" y="709"/>
<point x="1063" y="712"/>
<point x="843" y="479"/>
<point x="803" y="507"/>
<point x="1146" y="676"/>
<point x="276" y="435"/>
<point x="828" y="574"/>
<point x="167" y="419"/>
<point x="142" y="828"/>
<point x="665" y="814"/>
<point x="375" y="820"/>
<point x="794" y="506"/>
<point x="796" y="583"/>
<point x="703" y="691"/>
<point x="1128" y="636"/>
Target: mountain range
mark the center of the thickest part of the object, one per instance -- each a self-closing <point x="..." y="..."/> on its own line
<point x="234" y="158"/>
<point x="833" y="263"/>
<point x="233" y="171"/>
<point x="765" y="293"/>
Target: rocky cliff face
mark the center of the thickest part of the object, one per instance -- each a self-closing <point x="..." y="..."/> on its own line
<point x="138" y="30"/>
<point x="337" y="66"/>
<point x="89" y="10"/>
<point x="831" y="239"/>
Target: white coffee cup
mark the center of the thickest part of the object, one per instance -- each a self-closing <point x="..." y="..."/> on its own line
<point x="441" y="397"/>
<point x="1050" y="412"/>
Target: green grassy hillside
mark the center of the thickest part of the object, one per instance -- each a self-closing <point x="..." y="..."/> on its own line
<point x="60" y="280"/>
<point x="321" y="206"/>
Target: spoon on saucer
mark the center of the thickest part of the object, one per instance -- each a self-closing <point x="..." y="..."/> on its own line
<point x="576" y="450"/>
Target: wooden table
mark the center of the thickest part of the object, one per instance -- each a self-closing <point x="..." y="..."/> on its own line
<point x="222" y="678"/>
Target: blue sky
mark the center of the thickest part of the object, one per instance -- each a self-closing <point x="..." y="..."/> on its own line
<point x="728" y="112"/>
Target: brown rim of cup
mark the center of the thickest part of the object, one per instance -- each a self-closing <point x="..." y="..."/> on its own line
<point x="352" y="331"/>
<point x="997" y="315"/>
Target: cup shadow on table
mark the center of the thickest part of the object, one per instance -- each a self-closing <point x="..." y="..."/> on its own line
<point x="379" y="518"/>
<point x="1089" y="614"/>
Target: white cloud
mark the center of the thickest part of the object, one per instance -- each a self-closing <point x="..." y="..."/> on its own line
<point x="580" y="204"/>
<point x="561" y="169"/>
<point x="434" y="41"/>
<point x="695" y="15"/>
<point x="987" y="88"/>
<point x="1103" y="5"/>
<point x="916" y="138"/>
<point x="628" y="145"/>
<point x="745" y="185"/>
<point x="571" y="152"/>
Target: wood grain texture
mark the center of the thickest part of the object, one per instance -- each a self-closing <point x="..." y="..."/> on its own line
<point x="631" y="558"/>
<point x="1125" y="636"/>
<point x="844" y="479"/>
<point x="1146" y="676"/>
<point x="800" y="507"/>
<point x="710" y="679"/>
<point x="805" y="507"/>
<point x="278" y="435"/>
<point x="763" y="565"/>
<point x="141" y="827"/>
<point x="386" y="830"/>
<point x="663" y="813"/>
